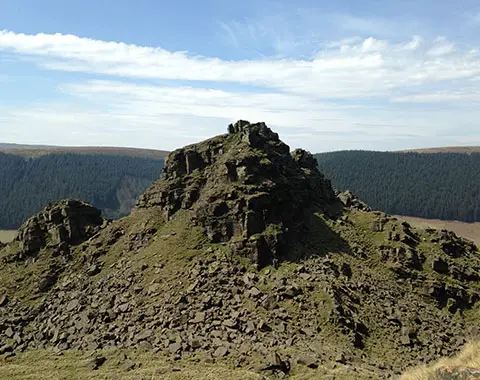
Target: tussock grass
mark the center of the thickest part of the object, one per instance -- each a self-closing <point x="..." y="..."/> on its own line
<point x="468" y="357"/>
<point x="74" y="365"/>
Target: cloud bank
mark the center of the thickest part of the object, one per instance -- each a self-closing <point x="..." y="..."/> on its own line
<point x="355" y="92"/>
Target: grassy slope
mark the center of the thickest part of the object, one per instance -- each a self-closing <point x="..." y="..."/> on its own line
<point x="176" y="245"/>
<point x="469" y="357"/>
<point x="73" y="365"/>
<point x="470" y="231"/>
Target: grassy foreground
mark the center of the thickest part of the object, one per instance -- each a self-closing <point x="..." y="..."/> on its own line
<point x="468" y="357"/>
<point x="44" y="365"/>
<point x="73" y="365"/>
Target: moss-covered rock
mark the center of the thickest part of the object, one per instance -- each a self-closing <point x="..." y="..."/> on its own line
<point x="63" y="223"/>
<point x="246" y="188"/>
<point x="187" y="274"/>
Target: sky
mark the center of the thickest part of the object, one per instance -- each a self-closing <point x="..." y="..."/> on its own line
<point x="325" y="75"/>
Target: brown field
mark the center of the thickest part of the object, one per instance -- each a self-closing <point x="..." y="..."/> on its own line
<point x="469" y="358"/>
<point x="7" y="236"/>
<point x="470" y="231"/>
<point x="33" y="152"/>
<point x="447" y="149"/>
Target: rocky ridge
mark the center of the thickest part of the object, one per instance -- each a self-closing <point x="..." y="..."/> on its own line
<point x="241" y="250"/>
<point x="60" y="224"/>
<point x="244" y="188"/>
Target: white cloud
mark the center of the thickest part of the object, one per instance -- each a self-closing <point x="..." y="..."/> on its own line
<point x="230" y="34"/>
<point x="283" y="110"/>
<point x="346" y="42"/>
<point x="369" y="26"/>
<point x="452" y="97"/>
<point x="372" y="44"/>
<point x="414" y="44"/>
<point x="129" y="121"/>
<point x="355" y="91"/>
<point x="126" y="114"/>
<point x="370" y="67"/>
<point x="441" y="46"/>
<point x="80" y="125"/>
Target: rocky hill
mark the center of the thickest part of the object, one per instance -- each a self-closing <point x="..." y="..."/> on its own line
<point x="35" y="151"/>
<point x="445" y="149"/>
<point x="240" y="251"/>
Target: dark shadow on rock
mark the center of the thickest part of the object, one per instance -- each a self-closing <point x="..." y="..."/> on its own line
<point x="315" y="239"/>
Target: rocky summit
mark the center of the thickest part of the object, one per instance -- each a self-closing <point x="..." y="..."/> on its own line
<point x="241" y="252"/>
<point x="245" y="189"/>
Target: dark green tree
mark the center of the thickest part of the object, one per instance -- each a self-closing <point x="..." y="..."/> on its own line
<point x="439" y="185"/>
<point x="111" y="183"/>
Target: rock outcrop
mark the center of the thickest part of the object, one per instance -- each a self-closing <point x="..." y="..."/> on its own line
<point x="348" y="288"/>
<point x="350" y="200"/>
<point x="245" y="188"/>
<point x="60" y="224"/>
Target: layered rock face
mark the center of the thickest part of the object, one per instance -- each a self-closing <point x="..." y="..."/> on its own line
<point x="245" y="188"/>
<point x="63" y="223"/>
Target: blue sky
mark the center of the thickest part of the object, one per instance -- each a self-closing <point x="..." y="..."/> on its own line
<point x="377" y="75"/>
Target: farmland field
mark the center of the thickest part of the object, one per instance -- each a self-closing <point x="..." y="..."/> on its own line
<point x="470" y="231"/>
<point x="7" y="236"/>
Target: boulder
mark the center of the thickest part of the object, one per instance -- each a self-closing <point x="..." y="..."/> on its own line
<point x="67" y="222"/>
<point x="96" y="362"/>
<point x="3" y="300"/>
<point x="308" y="360"/>
<point x="350" y="200"/>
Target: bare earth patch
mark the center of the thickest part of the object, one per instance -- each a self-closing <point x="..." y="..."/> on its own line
<point x="470" y="231"/>
<point x="7" y="236"/>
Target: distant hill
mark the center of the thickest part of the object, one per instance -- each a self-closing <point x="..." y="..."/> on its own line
<point x="23" y="146"/>
<point x="434" y="186"/>
<point x="448" y="149"/>
<point x="110" y="178"/>
<point x="41" y="150"/>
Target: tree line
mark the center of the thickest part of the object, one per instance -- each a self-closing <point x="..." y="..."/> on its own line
<point x="436" y="186"/>
<point x="111" y="183"/>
